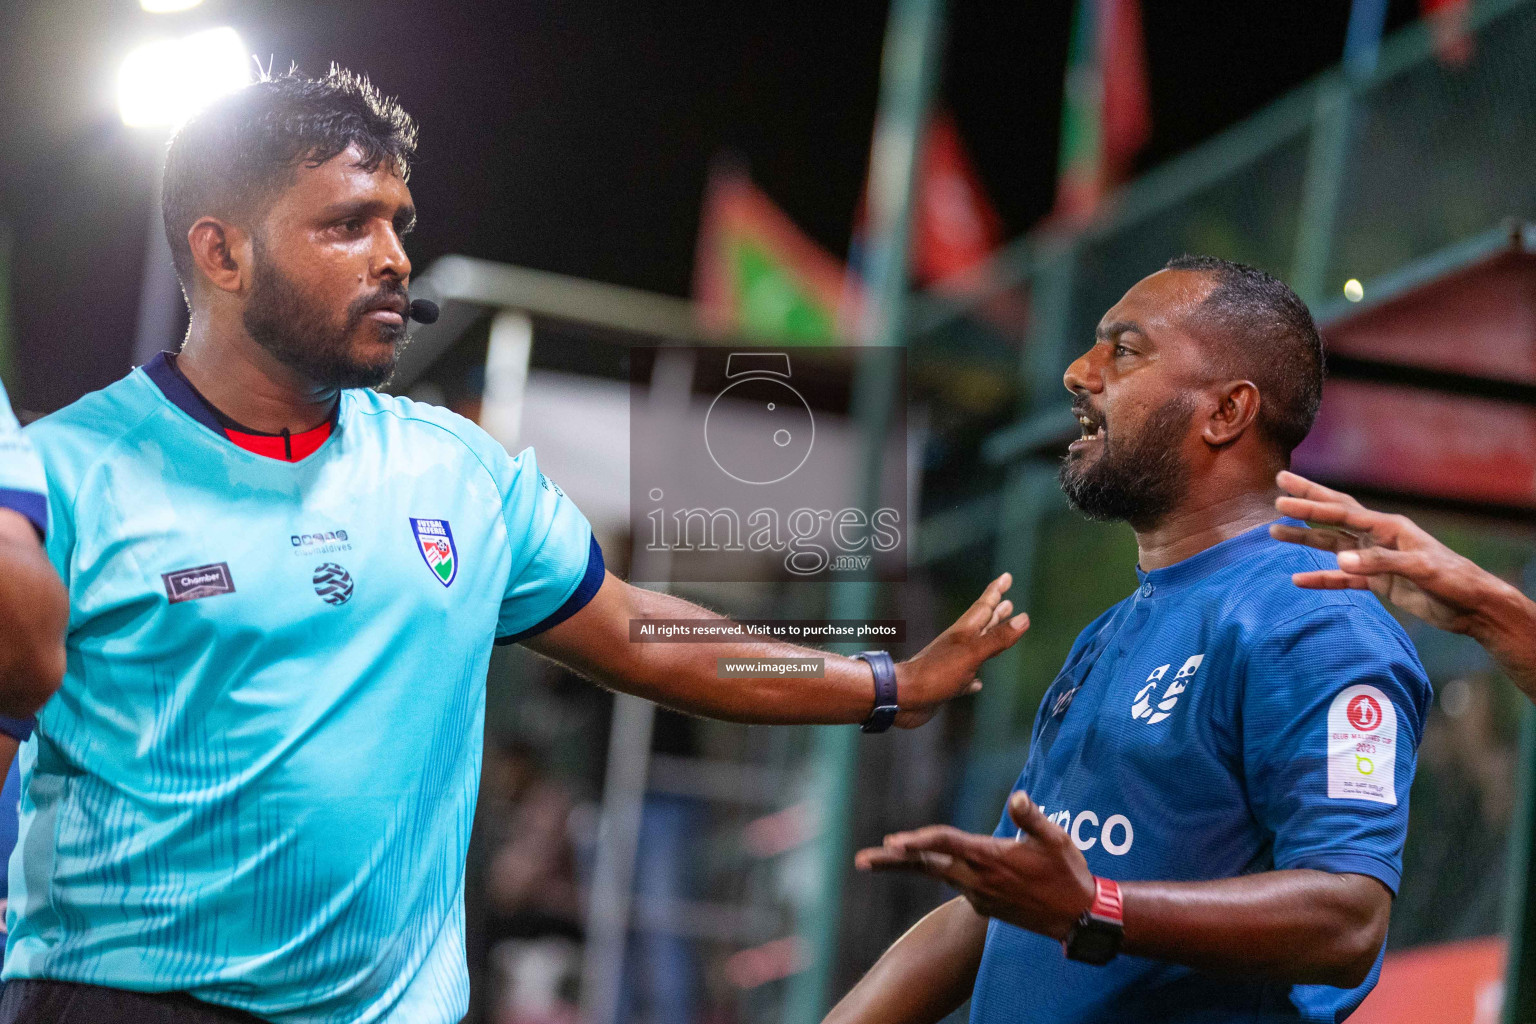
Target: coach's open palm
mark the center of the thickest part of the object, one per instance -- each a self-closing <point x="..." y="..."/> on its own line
<point x="947" y="667"/>
<point x="1039" y="882"/>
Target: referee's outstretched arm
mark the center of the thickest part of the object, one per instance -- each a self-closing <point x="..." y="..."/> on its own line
<point x="596" y="642"/>
<point x="1393" y="558"/>
<point x="33" y="612"/>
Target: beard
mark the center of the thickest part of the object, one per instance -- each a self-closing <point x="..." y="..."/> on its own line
<point x="1138" y="480"/>
<point x="301" y="334"/>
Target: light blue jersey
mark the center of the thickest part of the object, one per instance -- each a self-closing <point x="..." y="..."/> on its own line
<point x="257" y="780"/>
<point x="21" y="474"/>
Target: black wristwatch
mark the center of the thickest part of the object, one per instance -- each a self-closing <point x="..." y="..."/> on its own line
<point x="1095" y="937"/>
<point x="884" y="668"/>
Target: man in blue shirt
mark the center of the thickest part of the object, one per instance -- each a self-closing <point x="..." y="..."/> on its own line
<point x="252" y="795"/>
<point x="1209" y="826"/>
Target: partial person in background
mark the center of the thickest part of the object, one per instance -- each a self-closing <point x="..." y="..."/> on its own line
<point x="33" y="606"/>
<point x="1393" y="558"/>
<point x="533" y="908"/>
<point x="1463" y="806"/>
<point x="33" y="613"/>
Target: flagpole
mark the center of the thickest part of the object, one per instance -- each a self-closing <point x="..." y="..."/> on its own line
<point x="1331" y="132"/>
<point x="908" y="72"/>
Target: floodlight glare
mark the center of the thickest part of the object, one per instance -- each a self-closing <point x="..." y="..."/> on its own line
<point x="168" y="6"/>
<point x="164" y="82"/>
<point x="1353" y="291"/>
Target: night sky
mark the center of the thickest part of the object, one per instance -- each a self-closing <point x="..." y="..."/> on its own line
<point x="576" y="135"/>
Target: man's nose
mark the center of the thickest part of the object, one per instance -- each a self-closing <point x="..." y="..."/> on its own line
<point x="1083" y="374"/>
<point x="389" y="258"/>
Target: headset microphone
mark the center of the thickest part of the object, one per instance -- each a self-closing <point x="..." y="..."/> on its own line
<point x="423" y="311"/>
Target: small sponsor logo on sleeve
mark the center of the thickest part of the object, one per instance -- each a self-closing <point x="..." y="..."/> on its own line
<point x="1362" y="746"/>
<point x="198" y="582"/>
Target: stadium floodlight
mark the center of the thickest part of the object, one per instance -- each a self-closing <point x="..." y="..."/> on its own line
<point x="168" y="6"/>
<point x="164" y="82"/>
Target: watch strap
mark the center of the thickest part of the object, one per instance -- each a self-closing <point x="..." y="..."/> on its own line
<point x="884" y="669"/>
<point x="1106" y="901"/>
<point x="1104" y="921"/>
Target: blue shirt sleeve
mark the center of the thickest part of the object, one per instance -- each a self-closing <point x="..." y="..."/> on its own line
<point x="557" y="566"/>
<point x="1332" y="712"/>
<point x="22" y="486"/>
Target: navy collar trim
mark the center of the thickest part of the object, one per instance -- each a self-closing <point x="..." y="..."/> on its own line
<point x="162" y="371"/>
<point x="167" y="376"/>
<point x="1214" y="558"/>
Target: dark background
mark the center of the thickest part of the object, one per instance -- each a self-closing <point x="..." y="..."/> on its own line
<point x="576" y="136"/>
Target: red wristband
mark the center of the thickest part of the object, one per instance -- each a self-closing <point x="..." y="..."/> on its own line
<point x="1106" y="900"/>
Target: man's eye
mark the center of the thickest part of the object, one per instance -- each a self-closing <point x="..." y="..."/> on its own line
<point x="352" y="225"/>
<point x="1121" y="350"/>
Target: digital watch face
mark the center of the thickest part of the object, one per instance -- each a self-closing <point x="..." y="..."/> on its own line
<point x="781" y="435"/>
<point x="1095" y="943"/>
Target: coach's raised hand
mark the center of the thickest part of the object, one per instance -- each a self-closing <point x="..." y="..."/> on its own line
<point x="1400" y="563"/>
<point x="947" y="667"/>
<point x="1039" y="882"/>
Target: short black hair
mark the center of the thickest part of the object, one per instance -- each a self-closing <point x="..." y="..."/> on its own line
<point x="1270" y="339"/>
<point x="237" y="154"/>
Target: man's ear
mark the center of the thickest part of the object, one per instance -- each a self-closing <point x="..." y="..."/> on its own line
<point x="1236" y="410"/>
<point x="221" y="251"/>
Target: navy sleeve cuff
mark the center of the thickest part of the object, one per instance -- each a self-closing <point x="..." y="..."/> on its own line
<point x="585" y="591"/>
<point x="18" y="729"/>
<point x="30" y="504"/>
<point x="1348" y="863"/>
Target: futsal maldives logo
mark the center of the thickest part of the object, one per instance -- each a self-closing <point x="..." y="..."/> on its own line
<point x="434" y="539"/>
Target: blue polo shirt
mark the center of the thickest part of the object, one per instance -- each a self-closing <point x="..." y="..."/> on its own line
<point x="1218" y="722"/>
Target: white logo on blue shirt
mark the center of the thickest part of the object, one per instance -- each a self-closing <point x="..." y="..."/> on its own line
<point x="1115" y="832"/>
<point x="1142" y="708"/>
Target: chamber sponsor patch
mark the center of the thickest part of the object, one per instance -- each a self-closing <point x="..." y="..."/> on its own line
<point x="198" y="582"/>
<point x="1362" y="746"/>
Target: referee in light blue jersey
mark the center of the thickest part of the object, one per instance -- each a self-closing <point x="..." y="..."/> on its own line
<point x="252" y="796"/>
<point x="32" y="611"/>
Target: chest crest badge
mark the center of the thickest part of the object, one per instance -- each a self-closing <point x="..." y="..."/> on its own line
<point x="1145" y="710"/>
<point x="434" y="539"/>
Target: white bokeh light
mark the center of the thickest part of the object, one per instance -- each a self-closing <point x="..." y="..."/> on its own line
<point x="164" y="82"/>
